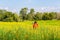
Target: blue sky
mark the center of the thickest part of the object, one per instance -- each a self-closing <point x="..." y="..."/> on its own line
<point x="38" y="5"/>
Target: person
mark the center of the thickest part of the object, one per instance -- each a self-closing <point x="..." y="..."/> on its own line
<point x="35" y="25"/>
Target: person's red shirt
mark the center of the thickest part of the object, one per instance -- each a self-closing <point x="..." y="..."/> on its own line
<point x="35" y="25"/>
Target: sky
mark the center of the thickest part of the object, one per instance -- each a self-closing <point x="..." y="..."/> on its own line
<point x="38" y="5"/>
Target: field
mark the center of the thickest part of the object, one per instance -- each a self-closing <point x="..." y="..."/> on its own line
<point x="47" y="30"/>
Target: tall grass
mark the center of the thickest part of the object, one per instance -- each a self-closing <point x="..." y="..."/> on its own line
<point x="47" y="30"/>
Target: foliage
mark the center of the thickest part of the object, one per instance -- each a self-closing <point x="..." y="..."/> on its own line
<point x="38" y="16"/>
<point x="24" y="14"/>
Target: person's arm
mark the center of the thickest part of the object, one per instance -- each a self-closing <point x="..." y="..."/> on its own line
<point x="37" y="25"/>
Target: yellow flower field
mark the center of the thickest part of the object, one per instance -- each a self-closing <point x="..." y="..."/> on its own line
<point x="47" y="30"/>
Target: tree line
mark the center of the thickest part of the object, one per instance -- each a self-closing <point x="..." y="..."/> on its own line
<point x="8" y="16"/>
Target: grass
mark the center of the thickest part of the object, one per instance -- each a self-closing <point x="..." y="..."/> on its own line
<point x="47" y="30"/>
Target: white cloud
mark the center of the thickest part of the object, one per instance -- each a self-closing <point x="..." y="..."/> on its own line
<point x="14" y="10"/>
<point x="1" y="8"/>
<point x="37" y="9"/>
<point x="4" y="8"/>
<point x="8" y="9"/>
<point x="49" y="9"/>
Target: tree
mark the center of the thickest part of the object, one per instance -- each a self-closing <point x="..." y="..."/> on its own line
<point x="8" y="16"/>
<point x="31" y="14"/>
<point x="1" y="17"/>
<point x="38" y="16"/>
<point x="45" y="16"/>
<point x="2" y="14"/>
<point x="16" y="17"/>
<point x="23" y="13"/>
<point x="58" y="16"/>
<point x="10" y="19"/>
<point x="32" y="11"/>
<point x="52" y="15"/>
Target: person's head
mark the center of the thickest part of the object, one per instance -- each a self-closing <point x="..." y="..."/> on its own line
<point x="35" y="22"/>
